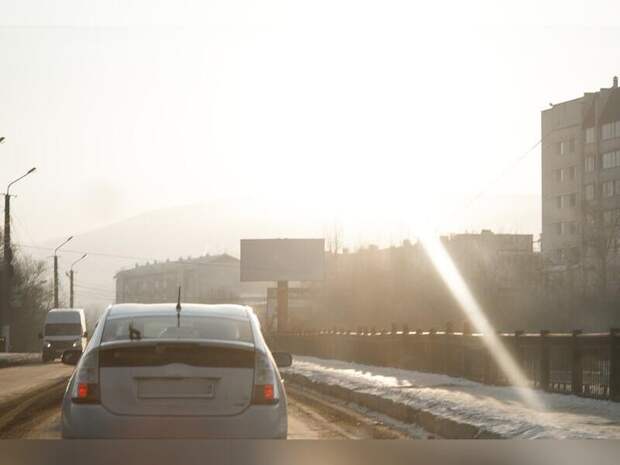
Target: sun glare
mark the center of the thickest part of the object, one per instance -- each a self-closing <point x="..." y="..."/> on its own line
<point x="475" y="314"/>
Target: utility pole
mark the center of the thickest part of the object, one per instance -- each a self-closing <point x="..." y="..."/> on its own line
<point x="282" y="306"/>
<point x="56" y="271"/>
<point x="55" y="281"/>
<point x="71" y="279"/>
<point x="7" y="291"/>
<point x="6" y="275"/>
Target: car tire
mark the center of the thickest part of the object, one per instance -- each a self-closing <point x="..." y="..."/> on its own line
<point x="47" y="357"/>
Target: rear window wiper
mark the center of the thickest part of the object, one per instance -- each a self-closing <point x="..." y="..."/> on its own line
<point x="134" y="333"/>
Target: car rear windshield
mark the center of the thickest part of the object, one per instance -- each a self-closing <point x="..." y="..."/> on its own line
<point x="165" y="327"/>
<point x="63" y="329"/>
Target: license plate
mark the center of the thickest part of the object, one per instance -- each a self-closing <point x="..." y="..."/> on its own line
<point x="176" y="388"/>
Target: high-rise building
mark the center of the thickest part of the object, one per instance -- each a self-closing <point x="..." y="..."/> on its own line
<point x="581" y="191"/>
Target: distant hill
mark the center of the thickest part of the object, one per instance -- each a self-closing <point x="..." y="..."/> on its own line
<point x="195" y="230"/>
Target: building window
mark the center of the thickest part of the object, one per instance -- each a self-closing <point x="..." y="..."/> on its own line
<point x="565" y="228"/>
<point x="571" y="145"/>
<point x="558" y="201"/>
<point x="611" y="217"/>
<point x="572" y="200"/>
<point x="589" y="191"/>
<point x="572" y="172"/>
<point x="611" y="159"/>
<point x="573" y="255"/>
<point x="608" y="189"/>
<point x="562" y="148"/>
<point x="590" y="135"/>
<point x="590" y="164"/>
<point x="610" y="130"/>
<point x="557" y="175"/>
<point x="573" y="228"/>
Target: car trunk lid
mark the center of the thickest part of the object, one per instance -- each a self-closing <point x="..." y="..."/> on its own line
<point x="176" y="377"/>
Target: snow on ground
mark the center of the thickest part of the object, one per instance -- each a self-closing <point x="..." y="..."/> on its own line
<point x="494" y="408"/>
<point x="12" y="359"/>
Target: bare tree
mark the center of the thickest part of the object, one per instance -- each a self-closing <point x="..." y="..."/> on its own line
<point x="31" y="300"/>
<point x="601" y="238"/>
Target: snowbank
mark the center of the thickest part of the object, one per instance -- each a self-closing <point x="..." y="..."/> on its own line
<point x="500" y="410"/>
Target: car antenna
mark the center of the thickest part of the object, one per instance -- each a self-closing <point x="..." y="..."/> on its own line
<point x="179" y="309"/>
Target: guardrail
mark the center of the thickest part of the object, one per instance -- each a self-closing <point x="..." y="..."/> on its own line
<point x="572" y="363"/>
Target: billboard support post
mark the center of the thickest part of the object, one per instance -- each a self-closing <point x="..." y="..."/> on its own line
<point x="282" y="306"/>
<point x="282" y="261"/>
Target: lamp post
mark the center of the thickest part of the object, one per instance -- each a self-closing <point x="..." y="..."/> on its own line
<point x="5" y="305"/>
<point x="71" y="279"/>
<point x="56" y="271"/>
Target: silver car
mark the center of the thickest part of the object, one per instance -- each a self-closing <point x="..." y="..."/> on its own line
<point x="155" y="371"/>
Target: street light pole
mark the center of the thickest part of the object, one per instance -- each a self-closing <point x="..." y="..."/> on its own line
<point x="56" y="271"/>
<point x="71" y="279"/>
<point x="5" y="305"/>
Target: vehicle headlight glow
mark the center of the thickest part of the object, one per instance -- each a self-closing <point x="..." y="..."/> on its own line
<point x="48" y="345"/>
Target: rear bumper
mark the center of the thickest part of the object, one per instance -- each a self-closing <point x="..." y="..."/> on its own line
<point x="83" y="421"/>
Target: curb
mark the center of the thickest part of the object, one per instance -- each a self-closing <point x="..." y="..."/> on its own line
<point x="15" y="410"/>
<point x="442" y="427"/>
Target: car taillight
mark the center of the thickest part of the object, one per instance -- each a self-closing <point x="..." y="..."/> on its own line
<point x="265" y="386"/>
<point x="86" y="383"/>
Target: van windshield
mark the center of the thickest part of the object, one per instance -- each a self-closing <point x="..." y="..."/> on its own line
<point x="63" y="329"/>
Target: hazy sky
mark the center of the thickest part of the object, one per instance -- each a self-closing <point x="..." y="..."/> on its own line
<point x="351" y="108"/>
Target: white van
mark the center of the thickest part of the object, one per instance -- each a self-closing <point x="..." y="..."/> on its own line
<point x="65" y="328"/>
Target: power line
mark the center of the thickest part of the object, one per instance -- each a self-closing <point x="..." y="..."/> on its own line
<point x="100" y="289"/>
<point x="155" y="262"/>
<point x="501" y="174"/>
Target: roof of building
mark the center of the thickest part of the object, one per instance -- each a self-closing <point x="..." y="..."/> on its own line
<point x="611" y="112"/>
<point x="160" y="266"/>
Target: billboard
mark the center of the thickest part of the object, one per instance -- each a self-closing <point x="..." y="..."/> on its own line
<point x="282" y="259"/>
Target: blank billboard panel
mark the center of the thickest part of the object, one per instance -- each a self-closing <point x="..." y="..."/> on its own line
<point x="282" y="259"/>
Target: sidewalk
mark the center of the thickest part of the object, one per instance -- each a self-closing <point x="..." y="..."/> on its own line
<point x="497" y="410"/>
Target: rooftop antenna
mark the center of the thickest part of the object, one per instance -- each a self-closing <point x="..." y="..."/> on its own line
<point x="179" y="309"/>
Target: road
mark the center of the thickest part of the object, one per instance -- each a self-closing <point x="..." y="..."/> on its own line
<point x="311" y="416"/>
<point x="14" y="381"/>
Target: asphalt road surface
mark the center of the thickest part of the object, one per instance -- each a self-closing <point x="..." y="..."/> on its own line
<point x="310" y="417"/>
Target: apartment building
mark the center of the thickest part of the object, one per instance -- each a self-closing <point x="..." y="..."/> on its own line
<point x="581" y="191"/>
<point x="206" y="279"/>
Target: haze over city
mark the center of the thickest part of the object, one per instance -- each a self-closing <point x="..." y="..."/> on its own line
<point x="375" y="128"/>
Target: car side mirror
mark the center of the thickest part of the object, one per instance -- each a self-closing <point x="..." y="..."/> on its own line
<point x="85" y="334"/>
<point x="71" y="356"/>
<point x="40" y="336"/>
<point x="283" y="359"/>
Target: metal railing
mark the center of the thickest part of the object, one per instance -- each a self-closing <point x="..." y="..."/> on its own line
<point x="570" y="363"/>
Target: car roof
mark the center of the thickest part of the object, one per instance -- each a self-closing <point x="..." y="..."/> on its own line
<point x="240" y="312"/>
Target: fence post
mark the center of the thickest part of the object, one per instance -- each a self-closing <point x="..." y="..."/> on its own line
<point x="432" y="338"/>
<point x="543" y="375"/>
<point x="614" y="389"/>
<point x="516" y="348"/>
<point x="576" y="374"/>
<point x="466" y="328"/>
